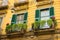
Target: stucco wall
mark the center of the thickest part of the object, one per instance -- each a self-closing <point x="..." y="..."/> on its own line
<point x="31" y="13"/>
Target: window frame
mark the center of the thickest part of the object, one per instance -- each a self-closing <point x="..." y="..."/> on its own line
<point x="45" y="26"/>
<point x="39" y="18"/>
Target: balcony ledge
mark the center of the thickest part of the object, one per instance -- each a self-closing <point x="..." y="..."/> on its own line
<point x="27" y="34"/>
<point x="20" y="4"/>
<point x="3" y="7"/>
<point x="44" y="3"/>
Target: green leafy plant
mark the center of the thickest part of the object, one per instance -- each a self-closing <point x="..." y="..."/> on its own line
<point x="14" y="27"/>
<point x="8" y="28"/>
<point x="49" y="22"/>
<point x="42" y="23"/>
<point x="36" y="24"/>
<point x="55" y="23"/>
<point x="24" y="26"/>
<point x="19" y="26"/>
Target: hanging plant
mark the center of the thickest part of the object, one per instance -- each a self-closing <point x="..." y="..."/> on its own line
<point x="8" y="28"/>
<point x="42" y="23"/>
<point x="36" y="25"/>
<point x="49" y="22"/>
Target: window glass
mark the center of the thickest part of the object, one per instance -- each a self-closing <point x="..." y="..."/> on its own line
<point x="45" y="15"/>
<point x="20" y="19"/>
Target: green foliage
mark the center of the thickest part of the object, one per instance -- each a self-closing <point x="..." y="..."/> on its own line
<point x="55" y="23"/>
<point x="14" y="27"/>
<point x="49" y="22"/>
<point x="8" y="28"/>
<point x="19" y="26"/>
<point x="42" y="23"/>
<point x="24" y="26"/>
<point x="36" y="24"/>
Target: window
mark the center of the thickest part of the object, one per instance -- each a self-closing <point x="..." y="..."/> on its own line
<point x="3" y="2"/>
<point x="44" y="14"/>
<point x="20" y="18"/>
<point x="1" y="18"/>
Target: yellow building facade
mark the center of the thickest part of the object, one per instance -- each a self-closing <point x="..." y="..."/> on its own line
<point x="29" y="6"/>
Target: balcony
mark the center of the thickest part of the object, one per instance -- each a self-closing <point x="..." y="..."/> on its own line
<point x="3" y="4"/>
<point x="45" y="26"/>
<point x="20" y="3"/>
<point x="44" y="2"/>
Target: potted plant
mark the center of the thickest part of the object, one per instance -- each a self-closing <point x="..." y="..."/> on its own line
<point x="50" y="22"/>
<point x="8" y="29"/>
<point x="36" y="25"/>
<point x="42" y="23"/>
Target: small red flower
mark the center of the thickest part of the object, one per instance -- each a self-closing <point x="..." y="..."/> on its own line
<point x="7" y="24"/>
<point x="53" y="17"/>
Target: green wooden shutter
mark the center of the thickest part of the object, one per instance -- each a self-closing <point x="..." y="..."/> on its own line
<point x="13" y="21"/>
<point x="25" y="17"/>
<point x="37" y="15"/>
<point x="52" y="11"/>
